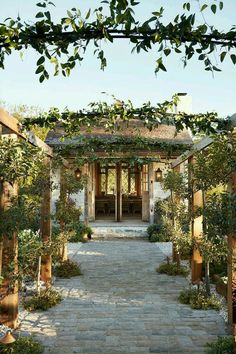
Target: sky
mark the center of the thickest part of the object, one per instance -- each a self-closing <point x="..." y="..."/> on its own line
<point x="127" y="76"/>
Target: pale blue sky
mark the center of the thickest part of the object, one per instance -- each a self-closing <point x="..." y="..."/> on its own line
<point x="128" y="76"/>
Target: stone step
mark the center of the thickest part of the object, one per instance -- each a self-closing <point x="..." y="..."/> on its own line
<point x="117" y="232"/>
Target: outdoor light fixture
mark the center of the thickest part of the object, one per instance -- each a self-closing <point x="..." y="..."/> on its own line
<point x="8" y="338"/>
<point x="158" y="175"/>
<point x="77" y="173"/>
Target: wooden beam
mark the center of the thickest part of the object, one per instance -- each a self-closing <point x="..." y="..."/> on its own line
<point x="196" y="229"/>
<point x="14" y="125"/>
<point x="46" y="268"/>
<point x="204" y="143"/>
<point x="9" y="298"/>
<point x="231" y="269"/>
<point x="118" y="192"/>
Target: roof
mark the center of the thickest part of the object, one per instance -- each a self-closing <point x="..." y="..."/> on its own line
<point x="163" y="133"/>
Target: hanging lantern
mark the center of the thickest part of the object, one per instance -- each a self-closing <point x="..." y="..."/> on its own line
<point x="77" y="173"/>
<point x="158" y="175"/>
<point x="8" y="338"/>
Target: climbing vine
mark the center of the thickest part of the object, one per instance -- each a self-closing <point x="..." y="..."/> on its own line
<point x="64" y="43"/>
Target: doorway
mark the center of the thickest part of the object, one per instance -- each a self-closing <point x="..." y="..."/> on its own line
<point x="119" y="190"/>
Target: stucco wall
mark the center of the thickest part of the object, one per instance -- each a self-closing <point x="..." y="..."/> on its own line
<point x="77" y="197"/>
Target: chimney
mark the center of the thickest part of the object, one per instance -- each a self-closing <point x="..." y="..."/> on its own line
<point x="184" y="104"/>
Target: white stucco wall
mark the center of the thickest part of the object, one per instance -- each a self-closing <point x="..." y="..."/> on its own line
<point x="158" y="192"/>
<point x="55" y="177"/>
<point x="77" y="197"/>
<point x="79" y="202"/>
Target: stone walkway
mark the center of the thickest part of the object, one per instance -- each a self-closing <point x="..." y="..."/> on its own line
<point x="121" y="305"/>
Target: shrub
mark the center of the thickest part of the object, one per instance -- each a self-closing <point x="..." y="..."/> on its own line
<point x="153" y="228"/>
<point x="43" y="301"/>
<point x="158" y="237"/>
<point x="67" y="269"/>
<point x="23" y="345"/>
<point x="172" y="269"/>
<point x="199" y="300"/>
<point x="79" y="231"/>
<point x="223" y="345"/>
<point x="157" y="233"/>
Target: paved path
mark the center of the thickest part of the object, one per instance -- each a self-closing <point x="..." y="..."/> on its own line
<point x="121" y="305"/>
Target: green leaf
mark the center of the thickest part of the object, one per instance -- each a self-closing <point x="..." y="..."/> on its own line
<point x="39" y="15"/>
<point x="88" y="14"/>
<point x="167" y="51"/>
<point x="233" y="58"/>
<point x="222" y="56"/>
<point x="40" y="61"/>
<point x="215" y="68"/>
<point x="203" y="7"/>
<point x="41" y="4"/>
<point x="39" y="69"/>
<point x="213" y="8"/>
<point x="41" y="79"/>
<point x="221" y="5"/>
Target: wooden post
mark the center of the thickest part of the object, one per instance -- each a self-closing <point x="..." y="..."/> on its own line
<point x="175" y="253"/>
<point x="118" y="192"/>
<point x="46" y="268"/>
<point x="9" y="289"/>
<point x="231" y="270"/>
<point x="63" y="198"/>
<point x="86" y="194"/>
<point x="196" y="229"/>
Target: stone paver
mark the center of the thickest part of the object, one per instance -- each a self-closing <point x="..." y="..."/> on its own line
<point x="121" y="305"/>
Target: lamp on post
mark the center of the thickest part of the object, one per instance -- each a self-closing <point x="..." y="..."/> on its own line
<point x="77" y="173"/>
<point x="158" y="175"/>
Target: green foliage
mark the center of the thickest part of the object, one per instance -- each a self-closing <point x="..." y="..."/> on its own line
<point x="67" y="269"/>
<point x="43" y="301"/>
<point x="17" y="160"/>
<point x="157" y="233"/>
<point x="66" y="211"/>
<point x="159" y="237"/>
<point x="198" y="299"/>
<point x="30" y="248"/>
<point x="184" y="35"/>
<point x="174" y="181"/>
<point x="23" y="345"/>
<point x="172" y="269"/>
<point x="153" y="228"/>
<point x="78" y="232"/>
<point x="118" y="118"/>
<point x="223" y="345"/>
<point x="214" y="165"/>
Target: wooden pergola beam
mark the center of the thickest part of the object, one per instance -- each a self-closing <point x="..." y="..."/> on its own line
<point x="204" y="143"/>
<point x="14" y="125"/>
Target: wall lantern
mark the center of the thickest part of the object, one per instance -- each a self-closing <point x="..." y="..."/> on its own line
<point x="8" y="338"/>
<point x="158" y="175"/>
<point x="77" y="173"/>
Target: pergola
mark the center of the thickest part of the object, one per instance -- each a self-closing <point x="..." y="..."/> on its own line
<point x="10" y="300"/>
